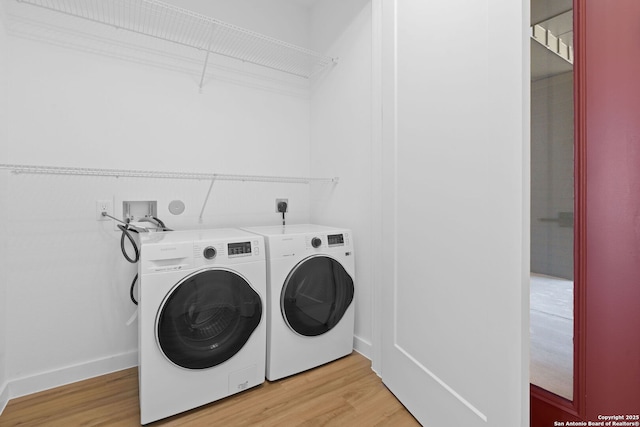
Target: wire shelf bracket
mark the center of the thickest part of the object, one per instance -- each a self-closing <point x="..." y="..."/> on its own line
<point x="206" y="199"/>
<point x="206" y="61"/>
<point x="163" y="21"/>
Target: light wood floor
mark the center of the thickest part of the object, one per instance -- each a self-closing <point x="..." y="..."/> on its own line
<point x="551" y="329"/>
<point x="342" y="393"/>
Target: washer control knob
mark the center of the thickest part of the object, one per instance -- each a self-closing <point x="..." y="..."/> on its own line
<point x="316" y="242"/>
<point x="209" y="252"/>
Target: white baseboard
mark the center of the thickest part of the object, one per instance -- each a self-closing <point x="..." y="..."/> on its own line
<point x="67" y="375"/>
<point x="70" y="374"/>
<point x="363" y="347"/>
<point x="4" y="396"/>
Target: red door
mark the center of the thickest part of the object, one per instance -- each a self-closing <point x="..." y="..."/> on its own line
<point x="607" y="310"/>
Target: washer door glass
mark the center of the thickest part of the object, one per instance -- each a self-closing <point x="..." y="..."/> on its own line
<point x="316" y="295"/>
<point x="207" y="318"/>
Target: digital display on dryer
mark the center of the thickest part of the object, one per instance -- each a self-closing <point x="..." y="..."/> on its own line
<point x="239" y="249"/>
<point x="335" y="239"/>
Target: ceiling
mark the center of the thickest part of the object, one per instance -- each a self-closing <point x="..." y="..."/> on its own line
<point x="557" y="17"/>
<point x="561" y="26"/>
<point x="542" y="10"/>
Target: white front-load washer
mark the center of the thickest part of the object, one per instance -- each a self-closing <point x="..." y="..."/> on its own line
<point x="310" y="292"/>
<point x="202" y="328"/>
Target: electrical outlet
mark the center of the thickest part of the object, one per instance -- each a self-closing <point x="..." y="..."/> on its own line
<point x="105" y="206"/>
<point x="282" y="200"/>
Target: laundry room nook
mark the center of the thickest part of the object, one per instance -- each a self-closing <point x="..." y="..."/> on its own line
<point x="128" y="109"/>
<point x="242" y="142"/>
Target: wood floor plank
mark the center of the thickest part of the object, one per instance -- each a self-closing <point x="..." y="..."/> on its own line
<point x="342" y="393"/>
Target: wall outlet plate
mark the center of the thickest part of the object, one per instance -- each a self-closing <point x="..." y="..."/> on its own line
<point x="105" y="206"/>
<point x="282" y="200"/>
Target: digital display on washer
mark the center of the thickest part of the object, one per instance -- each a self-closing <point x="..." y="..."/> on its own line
<point x="237" y="249"/>
<point x="335" y="239"/>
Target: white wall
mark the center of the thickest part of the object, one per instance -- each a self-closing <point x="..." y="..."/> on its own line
<point x="84" y="95"/>
<point x="341" y="140"/>
<point x="551" y="174"/>
<point x="3" y="189"/>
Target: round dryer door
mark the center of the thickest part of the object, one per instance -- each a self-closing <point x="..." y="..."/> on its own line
<point x="315" y="295"/>
<point x="207" y="318"/>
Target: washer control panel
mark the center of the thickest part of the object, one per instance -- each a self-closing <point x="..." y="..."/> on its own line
<point x="185" y="250"/>
<point x="239" y="249"/>
<point x="209" y="252"/>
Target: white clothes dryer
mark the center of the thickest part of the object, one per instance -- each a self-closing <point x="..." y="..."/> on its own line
<point x="202" y="328"/>
<point x="310" y="296"/>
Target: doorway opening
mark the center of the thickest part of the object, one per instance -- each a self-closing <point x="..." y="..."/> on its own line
<point x="552" y="199"/>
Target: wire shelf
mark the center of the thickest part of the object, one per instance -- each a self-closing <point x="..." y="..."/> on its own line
<point x="167" y="22"/>
<point x="124" y="173"/>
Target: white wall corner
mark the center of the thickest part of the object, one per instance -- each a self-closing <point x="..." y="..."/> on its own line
<point x="70" y="374"/>
<point x="4" y="397"/>
<point x="362" y="346"/>
<point x="343" y="147"/>
<point x="376" y="181"/>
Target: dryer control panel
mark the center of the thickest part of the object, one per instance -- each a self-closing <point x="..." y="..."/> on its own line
<point x="305" y="239"/>
<point x="335" y="239"/>
<point x="322" y="241"/>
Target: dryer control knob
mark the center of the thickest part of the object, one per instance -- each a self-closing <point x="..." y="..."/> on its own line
<point x="209" y="252"/>
<point x="316" y="242"/>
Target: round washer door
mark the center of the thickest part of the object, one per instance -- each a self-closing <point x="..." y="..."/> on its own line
<point x="207" y="318"/>
<point x="315" y="295"/>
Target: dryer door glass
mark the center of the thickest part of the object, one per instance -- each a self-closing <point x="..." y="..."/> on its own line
<point x="207" y="318"/>
<point x="316" y="295"/>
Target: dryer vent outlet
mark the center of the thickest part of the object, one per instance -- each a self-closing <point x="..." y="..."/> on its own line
<point x="282" y="205"/>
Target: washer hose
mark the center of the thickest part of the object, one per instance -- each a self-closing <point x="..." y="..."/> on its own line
<point x="135" y="279"/>
<point x="126" y="233"/>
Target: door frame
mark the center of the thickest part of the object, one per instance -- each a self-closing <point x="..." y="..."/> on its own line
<point x="547" y="407"/>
